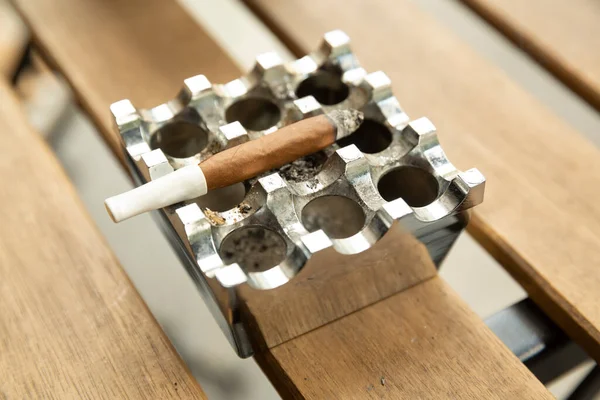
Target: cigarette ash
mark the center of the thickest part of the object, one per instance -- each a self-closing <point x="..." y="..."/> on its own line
<point x="214" y="217"/>
<point x="303" y="168"/>
<point x="244" y="208"/>
<point x="300" y="170"/>
<point x="213" y="147"/>
<point x="253" y="248"/>
<point x="238" y="213"/>
<point x="347" y="121"/>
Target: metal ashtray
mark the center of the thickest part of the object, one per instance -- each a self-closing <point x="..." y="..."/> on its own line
<point x="263" y="232"/>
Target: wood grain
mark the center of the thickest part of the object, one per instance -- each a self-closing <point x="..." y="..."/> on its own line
<point x="540" y="217"/>
<point x="136" y="49"/>
<point x="563" y="36"/>
<point x="315" y="291"/>
<point x="333" y="285"/>
<point x="421" y="343"/>
<point x="72" y="325"/>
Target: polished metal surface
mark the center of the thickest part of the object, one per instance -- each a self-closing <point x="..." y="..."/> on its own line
<point x="392" y="171"/>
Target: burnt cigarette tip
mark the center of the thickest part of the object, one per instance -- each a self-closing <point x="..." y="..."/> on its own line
<point x="346" y="121"/>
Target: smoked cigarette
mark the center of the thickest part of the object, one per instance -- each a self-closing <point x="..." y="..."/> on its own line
<point x="236" y="164"/>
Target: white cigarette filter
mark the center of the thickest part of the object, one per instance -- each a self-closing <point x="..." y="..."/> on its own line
<point x="183" y="184"/>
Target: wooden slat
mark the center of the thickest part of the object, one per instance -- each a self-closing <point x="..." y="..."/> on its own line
<point x="13" y="40"/>
<point x="72" y="325"/>
<point x="540" y="217"/>
<point x="111" y="50"/>
<point x="421" y="343"/>
<point x="564" y="36"/>
<point x="479" y="337"/>
<point x="333" y="285"/>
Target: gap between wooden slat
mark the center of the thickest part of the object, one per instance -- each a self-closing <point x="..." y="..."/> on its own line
<point x="531" y="39"/>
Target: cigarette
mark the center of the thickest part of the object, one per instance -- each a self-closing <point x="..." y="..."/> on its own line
<point x="236" y="164"/>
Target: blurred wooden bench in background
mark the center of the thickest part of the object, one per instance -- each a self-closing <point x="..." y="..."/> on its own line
<point x="563" y="36"/>
<point x="72" y="325"/>
<point x="539" y="219"/>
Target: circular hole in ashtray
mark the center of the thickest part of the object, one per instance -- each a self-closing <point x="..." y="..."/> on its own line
<point x="254" y="113"/>
<point x="255" y="248"/>
<point x="414" y="185"/>
<point x="371" y="137"/>
<point x="338" y="216"/>
<point x="180" y="139"/>
<point x="326" y="86"/>
<point x="223" y="199"/>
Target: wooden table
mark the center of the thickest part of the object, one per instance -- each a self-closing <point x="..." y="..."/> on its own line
<point x="422" y="340"/>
